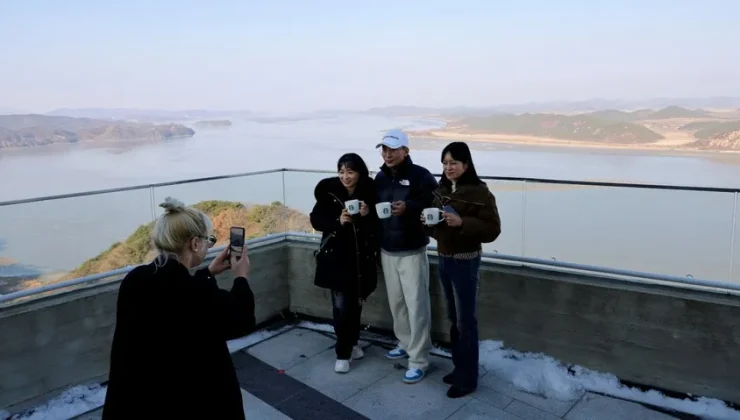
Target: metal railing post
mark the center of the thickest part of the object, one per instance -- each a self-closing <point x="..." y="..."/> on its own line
<point x="732" y="237"/>
<point x="285" y="203"/>
<point x="152" y="203"/>
<point x="524" y="219"/>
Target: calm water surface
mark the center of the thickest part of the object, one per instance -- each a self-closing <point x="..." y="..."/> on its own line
<point x="671" y="232"/>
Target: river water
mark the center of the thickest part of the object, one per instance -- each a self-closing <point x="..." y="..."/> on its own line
<point x="663" y="231"/>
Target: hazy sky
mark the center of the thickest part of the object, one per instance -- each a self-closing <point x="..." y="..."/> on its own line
<point x="296" y="55"/>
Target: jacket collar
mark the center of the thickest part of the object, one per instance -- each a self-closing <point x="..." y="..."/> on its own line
<point x="403" y="168"/>
<point x="462" y="194"/>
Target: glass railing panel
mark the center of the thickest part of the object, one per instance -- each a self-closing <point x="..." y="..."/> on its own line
<point x="254" y="202"/>
<point x="673" y="232"/>
<point x="299" y="189"/>
<point x="734" y="253"/>
<point x="510" y="202"/>
<point x="50" y="241"/>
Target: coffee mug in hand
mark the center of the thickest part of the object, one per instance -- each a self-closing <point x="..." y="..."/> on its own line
<point x="432" y="216"/>
<point x="352" y="206"/>
<point x="383" y="209"/>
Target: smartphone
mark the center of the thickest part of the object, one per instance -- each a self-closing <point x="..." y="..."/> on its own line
<point x="448" y="209"/>
<point x="236" y="241"/>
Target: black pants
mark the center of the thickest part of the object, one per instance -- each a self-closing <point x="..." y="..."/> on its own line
<point x="347" y="311"/>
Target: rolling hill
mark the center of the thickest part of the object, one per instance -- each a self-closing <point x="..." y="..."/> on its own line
<point x="567" y="127"/>
<point x="710" y="129"/>
<point x="648" y="114"/>
<point x="258" y="220"/>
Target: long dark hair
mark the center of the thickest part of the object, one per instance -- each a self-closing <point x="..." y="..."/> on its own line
<point x="461" y="152"/>
<point x="354" y="162"/>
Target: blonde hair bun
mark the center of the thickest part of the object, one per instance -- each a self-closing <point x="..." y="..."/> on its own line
<point x="172" y="205"/>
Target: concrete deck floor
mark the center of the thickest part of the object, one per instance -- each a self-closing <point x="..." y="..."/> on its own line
<point x="291" y="376"/>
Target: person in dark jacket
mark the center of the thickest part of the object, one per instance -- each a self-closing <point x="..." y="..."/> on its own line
<point x="346" y="262"/>
<point x="469" y="218"/>
<point x="169" y="357"/>
<point x="407" y="188"/>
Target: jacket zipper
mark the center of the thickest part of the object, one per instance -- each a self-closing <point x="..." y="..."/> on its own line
<point x="357" y="253"/>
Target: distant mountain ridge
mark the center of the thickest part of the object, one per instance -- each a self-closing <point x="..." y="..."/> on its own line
<point x="591" y="105"/>
<point x="148" y="115"/>
<point x="39" y="130"/>
<point x="568" y="127"/>
<point x="669" y="112"/>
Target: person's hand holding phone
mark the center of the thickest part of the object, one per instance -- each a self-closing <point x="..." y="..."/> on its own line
<point x="240" y="266"/>
<point x="220" y="263"/>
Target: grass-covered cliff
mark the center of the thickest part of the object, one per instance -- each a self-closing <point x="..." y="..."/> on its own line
<point x="258" y="220"/>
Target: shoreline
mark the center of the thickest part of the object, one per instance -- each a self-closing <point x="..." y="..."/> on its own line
<point x="666" y="145"/>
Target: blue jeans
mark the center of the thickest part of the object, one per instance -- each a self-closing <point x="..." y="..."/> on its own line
<point x="460" y="279"/>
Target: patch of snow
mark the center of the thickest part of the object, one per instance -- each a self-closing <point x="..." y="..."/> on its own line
<point x="254" y="338"/>
<point x="541" y="374"/>
<point x="72" y="402"/>
<point x="81" y="399"/>
<point x="316" y="327"/>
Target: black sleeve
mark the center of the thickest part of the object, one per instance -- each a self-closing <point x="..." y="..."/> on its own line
<point x="233" y="309"/>
<point x="324" y="216"/>
<point x="323" y="219"/>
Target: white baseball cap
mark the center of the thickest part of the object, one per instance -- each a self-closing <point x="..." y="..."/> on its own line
<point x="394" y="139"/>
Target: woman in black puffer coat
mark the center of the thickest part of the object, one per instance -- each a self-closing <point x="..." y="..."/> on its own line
<point x="346" y="262"/>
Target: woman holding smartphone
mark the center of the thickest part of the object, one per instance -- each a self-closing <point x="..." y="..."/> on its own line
<point x="469" y="218"/>
<point x="169" y="357"/>
<point x="346" y="262"/>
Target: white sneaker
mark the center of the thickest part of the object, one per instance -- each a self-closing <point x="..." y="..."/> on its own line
<point x="357" y="353"/>
<point x="342" y="366"/>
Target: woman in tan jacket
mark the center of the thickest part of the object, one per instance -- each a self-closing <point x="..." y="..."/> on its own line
<point x="469" y="218"/>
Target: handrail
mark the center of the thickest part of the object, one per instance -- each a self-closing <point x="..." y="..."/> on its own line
<point x="321" y="171"/>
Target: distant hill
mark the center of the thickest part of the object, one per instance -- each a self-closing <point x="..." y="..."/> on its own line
<point x="567" y="127"/>
<point x="417" y="111"/>
<point x="258" y="220"/>
<point x="40" y="130"/>
<point x="213" y="124"/>
<point x="724" y="141"/>
<point x="648" y="114"/>
<point x="711" y="129"/>
<point x="145" y="115"/>
<point x="590" y="105"/>
<point x="677" y="112"/>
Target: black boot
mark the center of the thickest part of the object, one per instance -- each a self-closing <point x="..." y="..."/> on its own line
<point x="457" y="391"/>
<point x="449" y="379"/>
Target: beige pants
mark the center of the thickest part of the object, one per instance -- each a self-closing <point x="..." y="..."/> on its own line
<point x="407" y="281"/>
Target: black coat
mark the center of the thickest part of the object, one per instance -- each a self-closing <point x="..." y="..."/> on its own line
<point x="347" y="260"/>
<point x="169" y="357"/>
<point x="414" y="185"/>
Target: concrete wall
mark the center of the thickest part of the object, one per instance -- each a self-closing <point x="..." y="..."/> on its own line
<point x="57" y="341"/>
<point x="687" y="341"/>
<point x="681" y="340"/>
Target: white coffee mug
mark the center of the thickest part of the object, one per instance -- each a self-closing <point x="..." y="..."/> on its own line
<point x="383" y="209"/>
<point x="352" y="206"/>
<point x="432" y="216"/>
